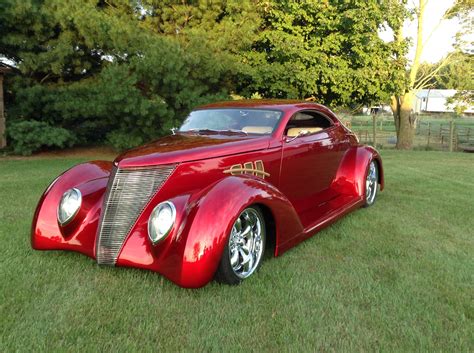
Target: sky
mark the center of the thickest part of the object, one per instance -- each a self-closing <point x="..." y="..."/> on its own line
<point x="442" y="38"/>
<point x="438" y="33"/>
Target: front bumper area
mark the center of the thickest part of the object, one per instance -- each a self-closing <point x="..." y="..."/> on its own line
<point x="94" y="180"/>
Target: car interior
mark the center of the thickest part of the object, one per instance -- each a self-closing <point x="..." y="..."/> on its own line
<point x="250" y="129"/>
<point x="262" y="122"/>
<point x="306" y="122"/>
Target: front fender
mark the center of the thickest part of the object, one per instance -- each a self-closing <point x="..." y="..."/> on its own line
<point x="217" y="209"/>
<point x="190" y="255"/>
<point x="91" y="179"/>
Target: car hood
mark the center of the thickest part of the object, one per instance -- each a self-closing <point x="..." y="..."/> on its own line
<point x="189" y="147"/>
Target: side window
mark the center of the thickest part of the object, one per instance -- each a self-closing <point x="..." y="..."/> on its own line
<point x="311" y="122"/>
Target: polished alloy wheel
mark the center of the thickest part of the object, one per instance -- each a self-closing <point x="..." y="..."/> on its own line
<point x="371" y="184"/>
<point x="246" y="243"/>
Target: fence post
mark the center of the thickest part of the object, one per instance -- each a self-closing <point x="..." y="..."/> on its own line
<point x="374" y="127"/>
<point x="451" y="136"/>
<point x="440" y="130"/>
<point x="429" y="134"/>
<point x="468" y="134"/>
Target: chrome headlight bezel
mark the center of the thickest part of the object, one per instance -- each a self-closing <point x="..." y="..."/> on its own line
<point x="78" y="200"/>
<point x="154" y="234"/>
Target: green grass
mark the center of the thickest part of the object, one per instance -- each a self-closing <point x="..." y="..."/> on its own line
<point x="394" y="277"/>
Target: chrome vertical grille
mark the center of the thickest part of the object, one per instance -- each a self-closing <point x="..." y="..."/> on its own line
<point x="128" y="192"/>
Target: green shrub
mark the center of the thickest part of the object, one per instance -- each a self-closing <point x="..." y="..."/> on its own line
<point x="122" y="141"/>
<point x="29" y="136"/>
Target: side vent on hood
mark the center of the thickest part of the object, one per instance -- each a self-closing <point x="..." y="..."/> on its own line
<point x="128" y="193"/>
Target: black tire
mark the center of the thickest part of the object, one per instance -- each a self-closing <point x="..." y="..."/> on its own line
<point x="372" y="178"/>
<point x="225" y="272"/>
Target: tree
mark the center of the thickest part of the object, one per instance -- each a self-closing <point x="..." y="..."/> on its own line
<point x="126" y="71"/>
<point x="464" y="11"/>
<point x="402" y="103"/>
<point x="292" y="49"/>
<point x="420" y="76"/>
<point x="449" y="74"/>
<point x="327" y="50"/>
<point x="99" y="70"/>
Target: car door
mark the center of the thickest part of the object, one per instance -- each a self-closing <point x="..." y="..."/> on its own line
<point x="309" y="164"/>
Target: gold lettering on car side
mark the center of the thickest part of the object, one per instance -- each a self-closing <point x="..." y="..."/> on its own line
<point x="250" y="168"/>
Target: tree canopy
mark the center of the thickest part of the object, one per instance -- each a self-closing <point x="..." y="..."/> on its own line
<point x="124" y="72"/>
<point x="329" y="50"/>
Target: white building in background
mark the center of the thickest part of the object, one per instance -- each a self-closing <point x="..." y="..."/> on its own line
<point x="436" y="101"/>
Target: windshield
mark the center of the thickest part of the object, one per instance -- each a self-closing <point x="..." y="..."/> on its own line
<point x="249" y="121"/>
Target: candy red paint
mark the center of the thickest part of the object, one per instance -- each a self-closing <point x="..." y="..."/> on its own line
<point x="314" y="180"/>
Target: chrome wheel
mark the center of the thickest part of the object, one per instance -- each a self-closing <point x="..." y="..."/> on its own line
<point x="371" y="183"/>
<point x="246" y="243"/>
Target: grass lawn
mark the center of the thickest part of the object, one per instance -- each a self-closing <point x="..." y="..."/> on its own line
<point x="398" y="276"/>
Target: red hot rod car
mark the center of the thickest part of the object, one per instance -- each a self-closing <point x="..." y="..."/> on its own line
<point x="236" y="179"/>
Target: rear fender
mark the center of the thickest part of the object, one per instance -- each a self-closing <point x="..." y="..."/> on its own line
<point x="352" y="172"/>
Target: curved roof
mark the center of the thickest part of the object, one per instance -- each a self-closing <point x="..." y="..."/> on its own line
<point x="257" y="103"/>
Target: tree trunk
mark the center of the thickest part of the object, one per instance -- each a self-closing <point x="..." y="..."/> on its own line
<point x="395" y="105"/>
<point x="402" y="106"/>
<point x="405" y="120"/>
<point x="3" y="139"/>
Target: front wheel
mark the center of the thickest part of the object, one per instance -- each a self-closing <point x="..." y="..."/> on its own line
<point x="371" y="184"/>
<point x="245" y="248"/>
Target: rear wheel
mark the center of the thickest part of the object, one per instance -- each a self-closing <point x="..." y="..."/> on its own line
<point x="371" y="184"/>
<point x="245" y="248"/>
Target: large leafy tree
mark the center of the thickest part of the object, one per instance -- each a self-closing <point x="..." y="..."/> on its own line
<point x="329" y="50"/>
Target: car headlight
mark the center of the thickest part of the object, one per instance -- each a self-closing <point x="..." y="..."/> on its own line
<point x="161" y="221"/>
<point x="69" y="206"/>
